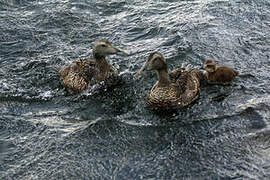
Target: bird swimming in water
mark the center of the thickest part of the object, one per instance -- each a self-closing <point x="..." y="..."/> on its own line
<point x="177" y="89"/>
<point x="82" y="73"/>
<point x="216" y="74"/>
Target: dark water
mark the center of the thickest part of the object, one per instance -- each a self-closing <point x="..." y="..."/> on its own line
<point x="46" y="133"/>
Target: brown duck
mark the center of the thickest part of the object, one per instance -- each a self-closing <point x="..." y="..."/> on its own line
<point x="82" y="73"/>
<point x="172" y="90"/>
<point x="218" y="74"/>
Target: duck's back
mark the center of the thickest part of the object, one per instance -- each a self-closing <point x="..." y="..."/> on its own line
<point x="189" y="84"/>
<point x="77" y="75"/>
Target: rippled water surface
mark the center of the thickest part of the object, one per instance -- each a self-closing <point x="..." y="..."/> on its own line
<point x="47" y="133"/>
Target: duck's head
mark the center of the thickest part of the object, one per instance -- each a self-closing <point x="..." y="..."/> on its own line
<point x="210" y="65"/>
<point x="156" y="61"/>
<point x="103" y="47"/>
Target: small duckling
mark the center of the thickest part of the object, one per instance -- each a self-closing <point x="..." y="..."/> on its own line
<point x="218" y="74"/>
<point x="177" y="89"/>
<point x="81" y="73"/>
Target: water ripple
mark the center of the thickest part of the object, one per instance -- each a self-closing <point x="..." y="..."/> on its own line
<point x="48" y="133"/>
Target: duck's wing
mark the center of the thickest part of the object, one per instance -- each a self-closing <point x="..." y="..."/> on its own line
<point x="88" y="69"/>
<point x="78" y="66"/>
<point x="78" y="74"/>
<point x="189" y="86"/>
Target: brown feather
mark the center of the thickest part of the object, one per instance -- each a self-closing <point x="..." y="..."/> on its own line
<point x="218" y="74"/>
<point x="176" y="89"/>
<point x="82" y="73"/>
<point x="178" y="94"/>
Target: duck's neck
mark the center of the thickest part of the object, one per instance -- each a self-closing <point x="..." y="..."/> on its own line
<point x="163" y="77"/>
<point x="103" y="67"/>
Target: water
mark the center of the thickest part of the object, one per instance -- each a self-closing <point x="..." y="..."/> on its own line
<point x="46" y="133"/>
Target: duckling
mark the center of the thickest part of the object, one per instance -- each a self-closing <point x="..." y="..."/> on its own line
<point x="81" y="73"/>
<point x="172" y="90"/>
<point x="218" y="74"/>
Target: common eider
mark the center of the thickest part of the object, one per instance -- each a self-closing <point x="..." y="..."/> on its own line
<point x="177" y="89"/>
<point x="218" y="74"/>
<point x="83" y="73"/>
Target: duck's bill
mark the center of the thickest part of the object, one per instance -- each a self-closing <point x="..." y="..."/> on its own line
<point x="142" y="69"/>
<point x="138" y="73"/>
<point x="122" y="50"/>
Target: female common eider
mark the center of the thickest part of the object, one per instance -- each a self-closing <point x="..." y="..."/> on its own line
<point x="172" y="90"/>
<point x="82" y="73"/>
<point x="218" y="74"/>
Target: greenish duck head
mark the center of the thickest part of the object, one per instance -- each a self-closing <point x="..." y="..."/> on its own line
<point x="156" y="61"/>
<point x="103" y="48"/>
<point x="210" y="66"/>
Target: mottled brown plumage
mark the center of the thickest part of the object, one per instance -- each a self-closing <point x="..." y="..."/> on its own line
<point x="218" y="74"/>
<point x="82" y="73"/>
<point x="176" y="89"/>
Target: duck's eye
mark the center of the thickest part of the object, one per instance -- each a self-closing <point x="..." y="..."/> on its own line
<point x="103" y="45"/>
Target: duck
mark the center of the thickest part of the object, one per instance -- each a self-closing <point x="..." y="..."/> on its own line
<point x="173" y="90"/>
<point x="85" y="72"/>
<point x="216" y="74"/>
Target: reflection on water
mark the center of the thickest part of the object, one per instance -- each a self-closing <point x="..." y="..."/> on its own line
<point x="48" y="133"/>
